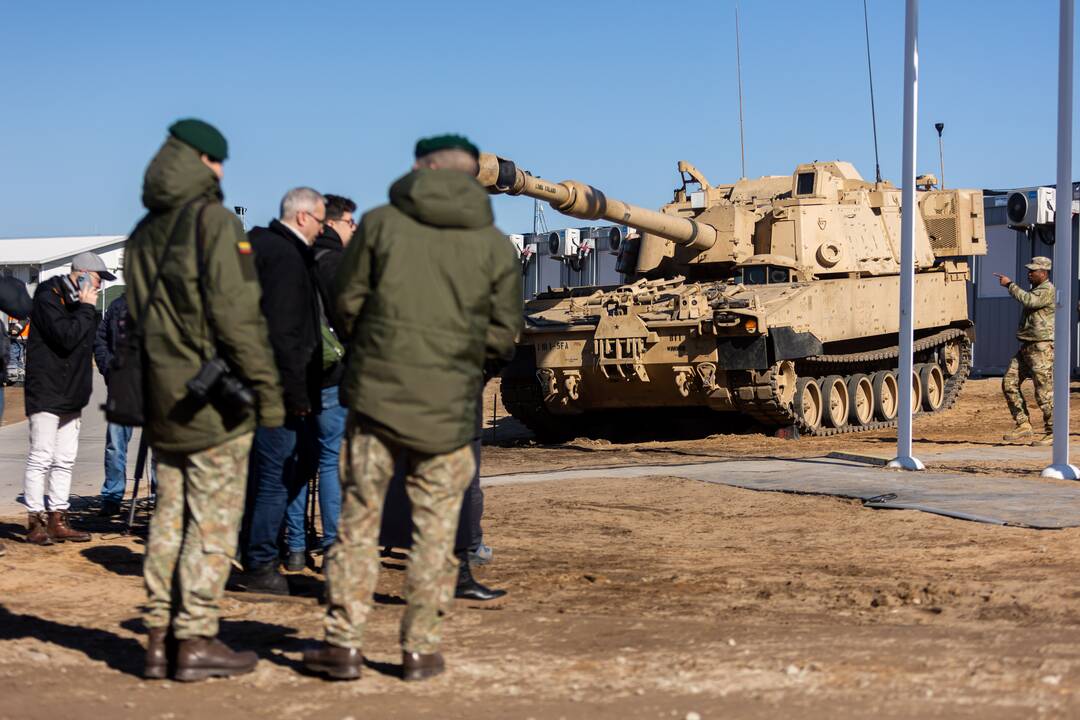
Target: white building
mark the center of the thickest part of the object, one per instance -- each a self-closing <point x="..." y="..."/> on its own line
<point x="33" y="260"/>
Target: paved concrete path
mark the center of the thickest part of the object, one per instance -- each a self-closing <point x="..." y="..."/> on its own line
<point x="89" y="470"/>
<point x="1024" y="502"/>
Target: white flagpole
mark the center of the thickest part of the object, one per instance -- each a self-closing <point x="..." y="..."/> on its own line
<point x="904" y="459"/>
<point x="1063" y="251"/>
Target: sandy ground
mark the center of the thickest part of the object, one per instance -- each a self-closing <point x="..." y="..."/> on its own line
<point x="644" y="598"/>
<point x="14" y="410"/>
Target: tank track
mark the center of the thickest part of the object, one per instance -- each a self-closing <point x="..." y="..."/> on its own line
<point x="758" y="395"/>
<point x="759" y="398"/>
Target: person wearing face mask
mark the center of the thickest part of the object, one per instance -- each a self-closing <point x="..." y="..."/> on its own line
<point x="59" y="377"/>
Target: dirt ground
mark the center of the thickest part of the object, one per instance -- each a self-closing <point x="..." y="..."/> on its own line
<point x="644" y="598"/>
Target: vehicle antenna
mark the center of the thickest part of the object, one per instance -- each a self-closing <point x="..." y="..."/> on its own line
<point x="738" y="71"/>
<point x="870" y="71"/>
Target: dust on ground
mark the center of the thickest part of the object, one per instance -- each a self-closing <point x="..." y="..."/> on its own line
<point x="642" y="598"/>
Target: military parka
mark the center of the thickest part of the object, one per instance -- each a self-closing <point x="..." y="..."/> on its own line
<point x="179" y="191"/>
<point x="428" y="290"/>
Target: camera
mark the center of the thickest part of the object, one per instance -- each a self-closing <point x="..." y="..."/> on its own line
<point x="215" y="381"/>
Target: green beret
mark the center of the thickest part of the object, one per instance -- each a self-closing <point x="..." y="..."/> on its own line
<point x="202" y="136"/>
<point x="426" y="146"/>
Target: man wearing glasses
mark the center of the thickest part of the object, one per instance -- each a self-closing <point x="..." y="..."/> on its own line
<point x="282" y="457"/>
<point x="330" y="424"/>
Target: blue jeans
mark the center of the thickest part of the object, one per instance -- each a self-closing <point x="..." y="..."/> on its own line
<point x="281" y="463"/>
<point x="117" y="438"/>
<point x="331" y="431"/>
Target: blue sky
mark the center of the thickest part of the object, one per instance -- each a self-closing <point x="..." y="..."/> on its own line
<point x="334" y="94"/>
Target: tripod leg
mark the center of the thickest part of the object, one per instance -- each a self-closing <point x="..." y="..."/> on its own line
<point x="140" y="467"/>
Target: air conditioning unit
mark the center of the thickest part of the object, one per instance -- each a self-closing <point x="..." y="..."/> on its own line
<point x="612" y="238"/>
<point x="1031" y="207"/>
<point x="564" y="243"/>
<point x="518" y="241"/>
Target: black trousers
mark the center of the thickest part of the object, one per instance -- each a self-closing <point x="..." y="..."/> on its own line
<point x="396" y="530"/>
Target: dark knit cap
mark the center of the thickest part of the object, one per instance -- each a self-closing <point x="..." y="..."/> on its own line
<point x="202" y="136"/>
<point x="426" y="146"/>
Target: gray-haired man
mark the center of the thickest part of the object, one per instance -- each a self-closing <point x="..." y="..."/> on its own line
<point x="285" y="263"/>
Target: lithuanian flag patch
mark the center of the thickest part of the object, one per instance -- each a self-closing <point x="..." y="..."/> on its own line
<point x="244" y="247"/>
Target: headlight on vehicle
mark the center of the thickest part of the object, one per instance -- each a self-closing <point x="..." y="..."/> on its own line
<point x="750" y="325"/>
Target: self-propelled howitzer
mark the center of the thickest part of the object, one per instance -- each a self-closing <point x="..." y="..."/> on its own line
<point x="775" y="297"/>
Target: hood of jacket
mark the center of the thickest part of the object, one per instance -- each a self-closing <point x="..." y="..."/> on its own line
<point x="442" y="198"/>
<point x="176" y="175"/>
<point x="328" y="239"/>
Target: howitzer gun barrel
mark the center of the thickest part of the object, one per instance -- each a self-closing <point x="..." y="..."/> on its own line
<point x="579" y="200"/>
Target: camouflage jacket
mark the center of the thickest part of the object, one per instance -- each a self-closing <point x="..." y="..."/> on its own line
<point x="1037" y="318"/>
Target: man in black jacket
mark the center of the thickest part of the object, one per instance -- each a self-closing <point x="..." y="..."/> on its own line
<point x="330" y="423"/>
<point x="112" y="327"/>
<point x="280" y="457"/>
<point x="59" y="380"/>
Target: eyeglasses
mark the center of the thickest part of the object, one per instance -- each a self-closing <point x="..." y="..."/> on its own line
<point x="320" y="220"/>
<point x="350" y="223"/>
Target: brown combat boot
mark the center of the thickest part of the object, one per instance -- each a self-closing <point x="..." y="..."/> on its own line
<point x="60" y="531"/>
<point x="1022" y="431"/>
<point x="338" y="663"/>
<point x="206" y="657"/>
<point x="36" y="532"/>
<point x="417" y="666"/>
<point x="158" y="644"/>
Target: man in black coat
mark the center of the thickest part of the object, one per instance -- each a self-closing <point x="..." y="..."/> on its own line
<point x="281" y="457"/>
<point x="328" y="248"/>
<point x="59" y="378"/>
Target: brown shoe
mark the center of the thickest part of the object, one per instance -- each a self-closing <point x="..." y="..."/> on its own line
<point x="201" y="658"/>
<point x="60" y="531"/>
<point x="339" y="663"/>
<point x="36" y="532"/>
<point x="1047" y="438"/>
<point x="158" y="644"/>
<point x="416" y="666"/>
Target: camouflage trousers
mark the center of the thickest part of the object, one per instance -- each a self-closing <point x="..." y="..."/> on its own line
<point x="435" y="485"/>
<point x="193" y="536"/>
<point x="1034" y="360"/>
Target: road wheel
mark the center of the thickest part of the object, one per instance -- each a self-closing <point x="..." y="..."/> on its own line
<point x="835" y="398"/>
<point x="933" y="386"/>
<point x="808" y="404"/>
<point x="916" y="391"/>
<point x="861" y="393"/>
<point x="950" y="358"/>
<point x="886" y="395"/>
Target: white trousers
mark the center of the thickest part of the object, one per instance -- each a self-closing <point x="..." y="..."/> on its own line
<point x="54" y="442"/>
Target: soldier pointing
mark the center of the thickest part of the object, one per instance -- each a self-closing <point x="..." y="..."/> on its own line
<point x="1035" y="358"/>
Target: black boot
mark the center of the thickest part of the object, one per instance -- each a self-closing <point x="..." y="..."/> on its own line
<point x="469" y="589"/>
<point x="263" y="579"/>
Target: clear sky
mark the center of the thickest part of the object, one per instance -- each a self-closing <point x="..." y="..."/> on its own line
<point x="334" y="94"/>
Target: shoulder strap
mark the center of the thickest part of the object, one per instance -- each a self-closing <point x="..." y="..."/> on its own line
<point x="157" y="274"/>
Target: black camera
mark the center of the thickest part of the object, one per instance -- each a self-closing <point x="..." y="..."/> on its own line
<point x="215" y="381"/>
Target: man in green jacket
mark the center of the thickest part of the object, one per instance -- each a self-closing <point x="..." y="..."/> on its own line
<point x="429" y="291"/>
<point x="1035" y="358"/>
<point x="194" y="295"/>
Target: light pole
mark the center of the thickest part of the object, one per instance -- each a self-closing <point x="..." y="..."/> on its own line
<point x="904" y="459"/>
<point x="1060" y="468"/>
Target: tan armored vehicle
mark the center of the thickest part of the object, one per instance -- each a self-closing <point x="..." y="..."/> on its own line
<point x="776" y="298"/>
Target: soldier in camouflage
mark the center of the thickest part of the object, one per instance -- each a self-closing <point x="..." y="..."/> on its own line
<point x="429" y="294"/>
<point x="1035" y="358"/>
<point x="193" y="291"/>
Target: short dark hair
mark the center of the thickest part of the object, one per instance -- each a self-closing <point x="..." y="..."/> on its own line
<point x="337" y="206"/>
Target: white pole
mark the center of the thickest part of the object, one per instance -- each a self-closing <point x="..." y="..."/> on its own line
<point x="1063" y="251"/>
<point x="904" y="459"/>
